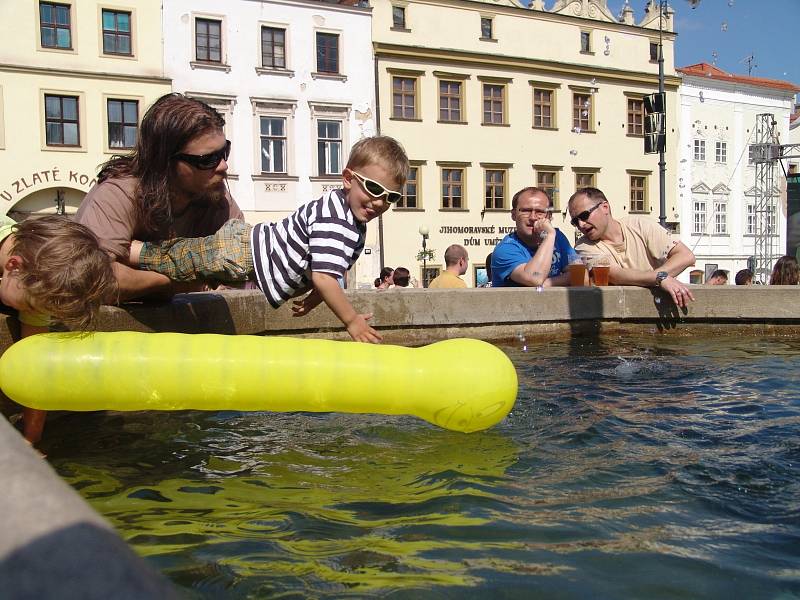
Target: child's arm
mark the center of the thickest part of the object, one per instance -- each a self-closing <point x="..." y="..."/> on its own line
<point x="333" y="295"/>
<point x="32" y="419"/>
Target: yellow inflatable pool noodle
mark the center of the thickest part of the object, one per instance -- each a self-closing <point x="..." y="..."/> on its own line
<point x="459" y="384"/>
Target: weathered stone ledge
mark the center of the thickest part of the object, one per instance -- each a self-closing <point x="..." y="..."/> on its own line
<point x="415" y="316"/>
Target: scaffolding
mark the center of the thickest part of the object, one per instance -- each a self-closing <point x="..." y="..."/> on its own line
<point x="766" y="154"/>
<point x="765" y="158"/>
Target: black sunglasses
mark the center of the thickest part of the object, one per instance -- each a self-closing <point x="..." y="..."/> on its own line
<point x="375" y="189"/>
<point x="205" y="162"/>
<point x="584" y="216"/>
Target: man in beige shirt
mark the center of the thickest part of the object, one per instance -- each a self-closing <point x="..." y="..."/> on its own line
<point x="456" y="260"/>
<point x="640" y="251"/>
<point x="173" y="184"/>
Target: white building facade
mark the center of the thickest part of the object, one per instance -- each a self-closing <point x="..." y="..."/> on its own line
<point x="294" y="80"/>
<point x="717" y="177"/>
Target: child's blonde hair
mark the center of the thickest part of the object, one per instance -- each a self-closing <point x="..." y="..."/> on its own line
<point x="383" y="150"/>
<point x="64" y="271"/>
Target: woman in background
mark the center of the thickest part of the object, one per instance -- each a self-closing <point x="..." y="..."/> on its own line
<point x="785" y="272"/>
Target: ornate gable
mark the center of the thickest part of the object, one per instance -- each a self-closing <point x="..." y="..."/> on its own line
<point x="588" y="9"/>
<point x="721" y="188"/>
<point x="701" y="188"/>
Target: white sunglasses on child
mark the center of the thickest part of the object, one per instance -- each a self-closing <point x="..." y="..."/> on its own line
<point x="375" y="189"/>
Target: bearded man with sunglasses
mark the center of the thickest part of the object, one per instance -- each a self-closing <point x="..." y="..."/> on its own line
<point x="640" y="251"/>
<point x="172" y="184"/>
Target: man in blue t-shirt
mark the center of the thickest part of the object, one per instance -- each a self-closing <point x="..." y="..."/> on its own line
<point x="536" y="254"/>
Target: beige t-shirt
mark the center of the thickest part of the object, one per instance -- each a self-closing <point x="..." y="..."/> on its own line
<point x="109" y="211"/>
<point x="645" y="245"/>
<point x="447" y="280"/>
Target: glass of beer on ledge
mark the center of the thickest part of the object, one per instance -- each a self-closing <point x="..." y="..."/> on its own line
<point x="577" y="272"/>
<point x="600" y="267"/>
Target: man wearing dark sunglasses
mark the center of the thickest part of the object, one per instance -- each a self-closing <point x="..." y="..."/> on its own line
<point x="172" y="184"/>
<point x="536" y="254"/>
<point x="639" y="250"/>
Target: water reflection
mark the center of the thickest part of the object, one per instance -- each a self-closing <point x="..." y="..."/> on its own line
<point x="656" y="467"/>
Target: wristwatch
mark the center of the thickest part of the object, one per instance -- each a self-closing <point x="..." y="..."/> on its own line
<point x="661" y="276"/>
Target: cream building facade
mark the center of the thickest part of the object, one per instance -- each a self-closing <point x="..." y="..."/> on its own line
<point x="717" y="186"/>
<point x="490" y="97"/>
<point x="295" y="82"/>
<point x="75" y="78"/>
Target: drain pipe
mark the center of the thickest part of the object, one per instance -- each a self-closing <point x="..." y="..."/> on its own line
<point x="378" y="131"/>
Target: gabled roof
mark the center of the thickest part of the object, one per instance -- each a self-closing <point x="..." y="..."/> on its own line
<point x="712" y="72"/>
<point x="721" y="188"/>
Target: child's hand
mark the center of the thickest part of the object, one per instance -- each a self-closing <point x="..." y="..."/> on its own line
<point x="305" y="305"/>
<point x="360" y="331"/>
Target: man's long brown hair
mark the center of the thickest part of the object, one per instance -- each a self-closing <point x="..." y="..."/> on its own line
<point x="168" y="125"/>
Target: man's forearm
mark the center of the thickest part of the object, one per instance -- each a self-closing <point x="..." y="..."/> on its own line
<point x="136" y="284"/>
<point x="679" y="258"/>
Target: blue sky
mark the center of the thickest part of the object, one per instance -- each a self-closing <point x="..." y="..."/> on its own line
<point x="734" y="30"/>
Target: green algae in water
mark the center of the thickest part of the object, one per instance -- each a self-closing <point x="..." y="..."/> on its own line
<point x="650" y="467"/>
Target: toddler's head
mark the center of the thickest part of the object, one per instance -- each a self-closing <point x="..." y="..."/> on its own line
<point x="57" y="267"/>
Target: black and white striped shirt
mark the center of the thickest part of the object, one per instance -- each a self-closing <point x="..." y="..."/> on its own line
<point x="321" y="236"/>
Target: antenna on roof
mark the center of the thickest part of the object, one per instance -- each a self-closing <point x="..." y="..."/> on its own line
<point x="751" y="63"/>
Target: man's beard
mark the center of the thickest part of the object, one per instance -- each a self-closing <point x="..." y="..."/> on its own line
<point x="214" y="196"/>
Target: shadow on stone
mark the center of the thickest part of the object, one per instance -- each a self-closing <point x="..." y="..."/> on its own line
<point x="585" y="310"/>
<point x="185" y="313"/>
<point x="80" y="561"/>
<point x="669" y="315"/>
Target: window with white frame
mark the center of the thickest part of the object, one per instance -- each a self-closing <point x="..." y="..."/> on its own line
<point x="486" y="28"/>
<point x="721" y="215"/>
<point x="581" y="111"/>
<point x="55" y="25"/>
<point x="699" y="149"/>
<point x="398" y="17"/>
<point x="721" y="152"/>
<point x="123" y="122"/>
<point x="547" y="181"/>
<point x="329" y="147"/>
<point x="750" y="227"/>
<point x="327" y="53"/>
<point x="544" y="108"/>
<point x="62" y="125"/>
<point x="699" y="216"/>
<point x="586" y="42"/>
<point x="404" y="97"/>
<point x="116" y="32"/>
<point x="450" y="101"/>
<point x="638" y="194"/>
<point x="452" y="188"/>
<point x="495" y="188"/>
<point x="208" y="40"/>
<point x="273" y="47"/>
<point x="272" y="133"/>
<point x="494" y="96"/>
<point x="411" y="189"/>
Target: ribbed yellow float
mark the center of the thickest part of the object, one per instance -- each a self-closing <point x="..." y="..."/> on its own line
<point x="459" y="384"/>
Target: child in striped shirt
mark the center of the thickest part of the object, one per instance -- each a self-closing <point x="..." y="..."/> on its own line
<point x="308" y="251"/>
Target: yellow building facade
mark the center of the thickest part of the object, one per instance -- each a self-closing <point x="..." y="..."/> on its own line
<point x="75" y="78"/>
<point x="491" y="97"/>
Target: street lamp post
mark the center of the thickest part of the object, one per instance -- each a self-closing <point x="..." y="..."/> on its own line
<point x="662" y="165"/>
<point x="424" y="232"/>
